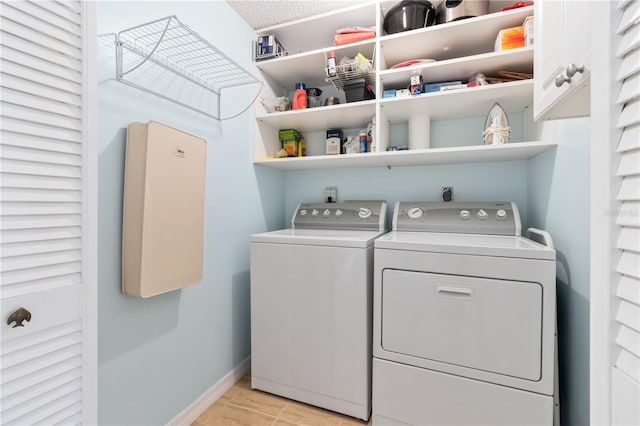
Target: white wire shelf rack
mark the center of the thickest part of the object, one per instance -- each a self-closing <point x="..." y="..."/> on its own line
<point x="355" y="69"/>
<point x="346" y="73"/>
<point x="196" y="63"/>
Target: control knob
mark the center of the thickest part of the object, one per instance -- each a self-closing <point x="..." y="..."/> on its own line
<point x="364" y="213"/>
<point x="314" y="212"/>
<point x="414" y="213"/>
<point x="501" y="214"/>
<point x="303" y="212"/>
<point x="326" y="213"/>
<point x="464" y="214"/>
<point x="338" y="213"/>
<point x="482" y="214"/>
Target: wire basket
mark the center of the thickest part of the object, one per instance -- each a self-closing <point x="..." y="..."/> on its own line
<point x="346" y="73"/>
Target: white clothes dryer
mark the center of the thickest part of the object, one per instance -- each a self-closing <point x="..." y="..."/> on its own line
<point x="311" y="306"/>
<point x="464" y="318"/>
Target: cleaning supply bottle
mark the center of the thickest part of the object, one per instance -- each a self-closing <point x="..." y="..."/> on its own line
<point x="363" y="141"/>
<point x="371" y="132"/>
<point x="300" y="100"/>
<point x="331" y="64"/>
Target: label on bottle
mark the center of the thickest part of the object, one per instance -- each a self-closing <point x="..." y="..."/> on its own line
<point x="331" y="67"/>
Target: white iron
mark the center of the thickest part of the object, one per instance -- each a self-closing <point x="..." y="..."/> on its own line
<point x="496" y="127"/>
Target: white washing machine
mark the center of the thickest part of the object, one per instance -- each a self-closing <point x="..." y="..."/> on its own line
<point x="464" y="318"/>
<point x="311" y="306"/>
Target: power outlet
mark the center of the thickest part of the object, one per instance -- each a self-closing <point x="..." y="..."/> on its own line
<point x="331" y="194"/>
<point x="447" y="193"/>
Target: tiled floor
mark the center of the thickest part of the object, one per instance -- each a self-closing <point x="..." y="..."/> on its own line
<point x="242" y="405"/>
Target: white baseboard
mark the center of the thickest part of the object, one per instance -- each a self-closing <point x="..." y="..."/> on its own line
<point x="193" y="411"/>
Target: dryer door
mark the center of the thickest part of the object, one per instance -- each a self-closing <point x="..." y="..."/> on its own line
<point x="485" y="324"/>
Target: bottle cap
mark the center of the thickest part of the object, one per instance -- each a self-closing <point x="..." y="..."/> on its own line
<point x="300" y="86"/>
<point x="332" y="54"/>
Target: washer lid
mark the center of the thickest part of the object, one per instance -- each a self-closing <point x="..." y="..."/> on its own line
<point x="318" y="237"/>
<point x="479" y="245"/>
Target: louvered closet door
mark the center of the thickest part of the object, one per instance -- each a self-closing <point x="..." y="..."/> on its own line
<point x="41" y="200"/>
<point x="626" y="370"/>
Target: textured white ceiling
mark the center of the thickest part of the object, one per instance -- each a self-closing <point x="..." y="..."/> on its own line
<point x="265" y="13"/>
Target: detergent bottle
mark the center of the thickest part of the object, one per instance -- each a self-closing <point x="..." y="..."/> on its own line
<point x="300" y="100"/>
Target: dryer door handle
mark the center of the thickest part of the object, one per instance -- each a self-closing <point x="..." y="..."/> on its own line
<point x="455" y="291"/>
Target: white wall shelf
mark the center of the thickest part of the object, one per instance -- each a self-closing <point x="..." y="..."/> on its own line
<point x="461" y="103"/>
<point x="461" y="49"/>
<point x="317" y="32"/>
<point x="308" y="67"/>
<point x="451" y="40"/>
<point x="518" y="60"/>
<point x="342" y="116"/>
<point x="466" y="154"/>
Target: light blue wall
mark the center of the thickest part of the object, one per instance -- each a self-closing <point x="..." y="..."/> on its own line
<point x="472" y="182"/>
<point x="552" y="192"/>
<point x="158" y="355"/>
<point x="504" y="181"/>
<point x="558" y="200"/>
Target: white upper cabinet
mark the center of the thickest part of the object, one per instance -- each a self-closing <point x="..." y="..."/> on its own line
<point x="562" y="59"/>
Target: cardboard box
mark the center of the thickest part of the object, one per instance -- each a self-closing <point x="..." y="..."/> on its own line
<point x="510" y="38"/>
<point x="334" y="141"/>
<point x="415" y="86"/>
<point x="389" y="93"/>
<point x="435" y="87"/>
<point x="293" y="142"/>
<point x="527" y="26"/>
<point x="267" y="47"/>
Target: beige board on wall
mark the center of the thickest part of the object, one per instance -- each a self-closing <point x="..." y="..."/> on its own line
<point x="163" y="212"/>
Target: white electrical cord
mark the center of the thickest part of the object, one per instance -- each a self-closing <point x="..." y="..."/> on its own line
<point x="496" y="135"/>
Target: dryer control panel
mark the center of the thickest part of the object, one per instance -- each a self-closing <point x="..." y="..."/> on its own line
<point x="358" y="216"/>
<point x="500" y="218"/>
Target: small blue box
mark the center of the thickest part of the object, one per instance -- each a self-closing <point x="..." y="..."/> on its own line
<point x="389" y="94"/>
<point x="435" y="87"/>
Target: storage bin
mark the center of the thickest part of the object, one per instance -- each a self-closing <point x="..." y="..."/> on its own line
<point x="358" y="90"/>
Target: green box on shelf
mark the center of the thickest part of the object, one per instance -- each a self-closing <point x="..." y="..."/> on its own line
<point x="289" y="135"/>
<point x="293" y="142"/>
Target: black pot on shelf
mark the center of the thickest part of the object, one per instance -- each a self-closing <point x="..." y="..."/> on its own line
<point x="409" y="15"/>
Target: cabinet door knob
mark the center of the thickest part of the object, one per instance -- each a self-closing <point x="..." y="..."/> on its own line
<point x="562" y="79"/>
<point x="572" y="69"/>
<point x="18" y="317"/>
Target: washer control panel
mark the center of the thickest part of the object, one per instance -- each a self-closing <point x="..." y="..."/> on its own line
<point x="352" y="215"/>
<point x="500" y="218"/>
